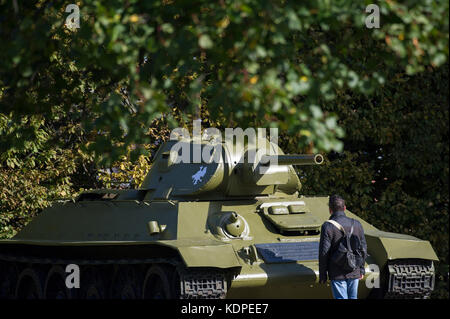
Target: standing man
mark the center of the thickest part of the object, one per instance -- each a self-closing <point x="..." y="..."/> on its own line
<point x="344" y="282"/>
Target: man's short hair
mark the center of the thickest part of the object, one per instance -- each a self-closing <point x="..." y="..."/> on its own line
<point x="336" y="203"/>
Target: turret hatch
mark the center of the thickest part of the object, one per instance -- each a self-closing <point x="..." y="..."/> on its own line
<point x="291" y="217"/>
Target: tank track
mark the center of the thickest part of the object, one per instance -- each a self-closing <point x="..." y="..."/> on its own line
<point x="201" y="283"/>
<point x="410" y="279"/>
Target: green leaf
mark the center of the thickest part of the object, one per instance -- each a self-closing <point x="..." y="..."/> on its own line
<point x="205" y="42"/>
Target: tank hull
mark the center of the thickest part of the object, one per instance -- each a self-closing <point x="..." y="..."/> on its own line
<point x="190" y="236"/>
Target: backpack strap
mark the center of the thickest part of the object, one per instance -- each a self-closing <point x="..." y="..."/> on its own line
<point x="349" y="246"/>
<point x="351" y="230"/>
<point x="337" y="225"/>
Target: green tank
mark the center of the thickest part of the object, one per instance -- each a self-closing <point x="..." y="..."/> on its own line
<point x="233" y="226"/>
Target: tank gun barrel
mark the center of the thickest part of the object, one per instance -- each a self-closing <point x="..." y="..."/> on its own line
<point x="294" y="159"/>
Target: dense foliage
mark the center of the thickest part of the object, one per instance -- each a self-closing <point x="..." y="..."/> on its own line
<point x="77" y="106"/>
<point x="284" y="58"/>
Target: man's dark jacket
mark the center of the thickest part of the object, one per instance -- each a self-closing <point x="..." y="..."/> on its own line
<point x="330" y="237"/>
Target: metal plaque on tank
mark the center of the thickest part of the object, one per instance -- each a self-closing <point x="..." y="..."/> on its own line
<point x="288" y="252"/>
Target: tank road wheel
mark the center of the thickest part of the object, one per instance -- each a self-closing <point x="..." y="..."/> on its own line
<point x="175" y="283"/>
<point x="156" y="284"/>
<point x="30" y="284"/>
<point x="92" y="285"/>
<point x="8" y="280"/>
<point x="126" y="284"/>
<point x="55" y="284"/>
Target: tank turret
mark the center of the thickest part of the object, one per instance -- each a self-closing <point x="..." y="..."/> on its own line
<point x="189" y="168"/>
